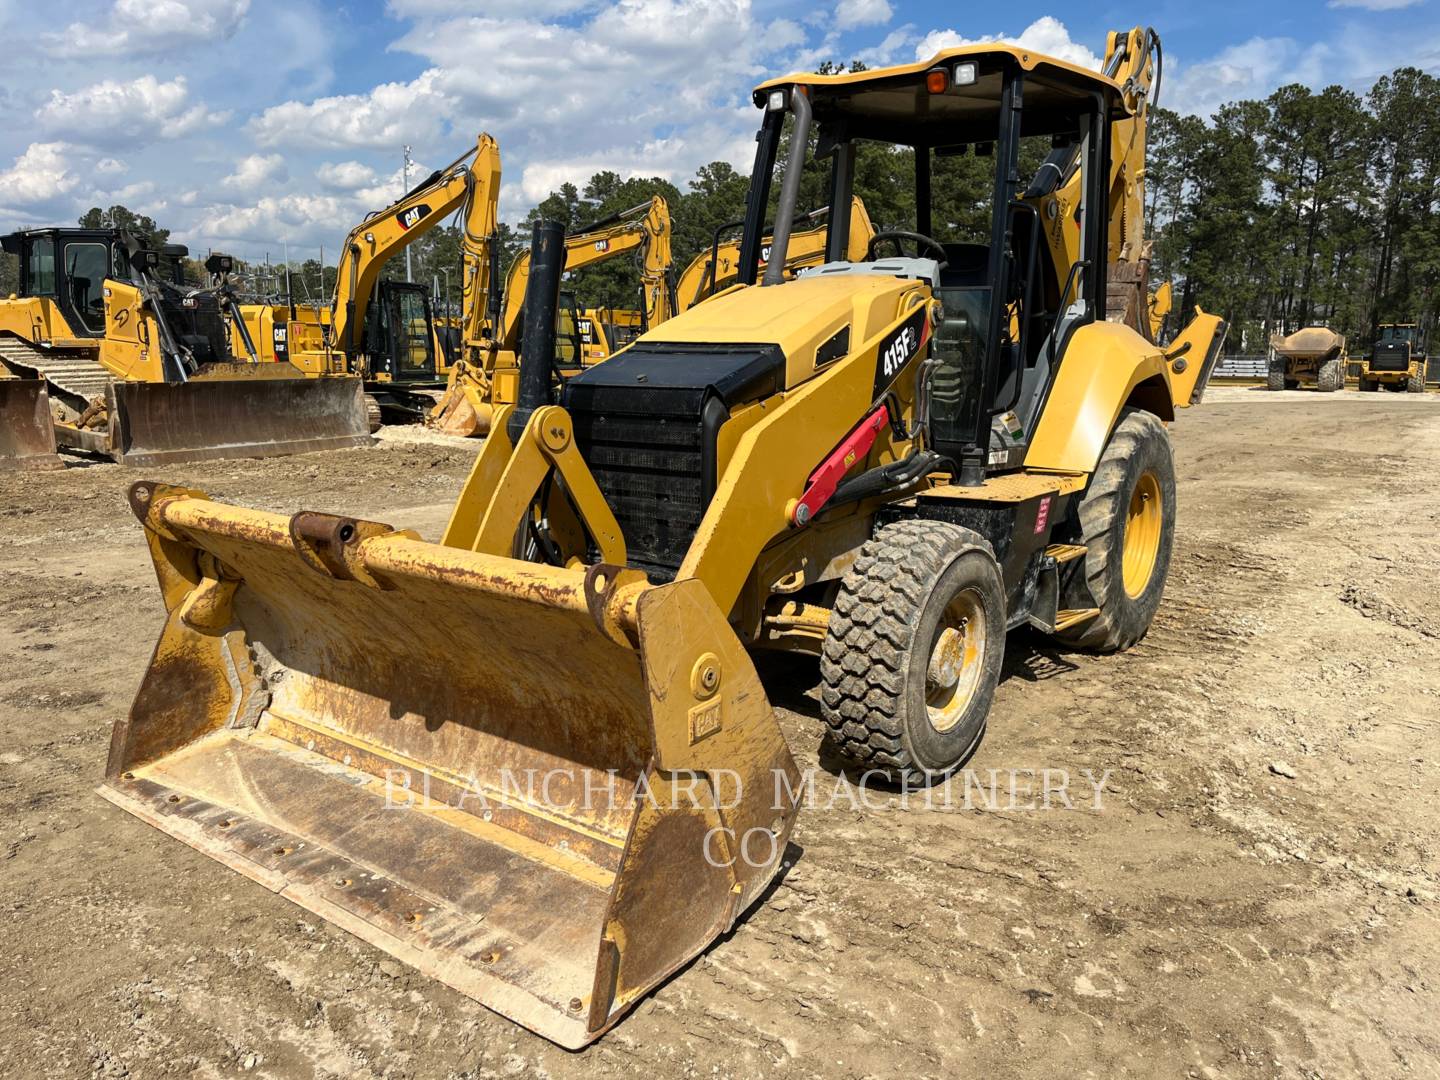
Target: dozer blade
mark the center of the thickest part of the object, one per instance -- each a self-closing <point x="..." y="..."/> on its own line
<point x="157" y="424"/>
<point x="27" y="433"/>
<point x="549" y="788"/>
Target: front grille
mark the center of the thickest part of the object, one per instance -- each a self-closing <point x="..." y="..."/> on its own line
<point x="1390" y="358"/>
<point x="199" y="325"/>
<point x="650" y="470"/>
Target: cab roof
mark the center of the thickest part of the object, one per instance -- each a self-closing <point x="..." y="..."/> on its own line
<point x="892" y="104"/>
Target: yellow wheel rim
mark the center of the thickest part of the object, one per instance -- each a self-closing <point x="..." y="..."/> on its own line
<point x="956" y="660"/>
<point x="1143" y="524"/>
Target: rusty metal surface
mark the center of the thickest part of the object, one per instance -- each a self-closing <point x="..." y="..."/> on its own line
<point x="157" y="424"/>
<point x="474" y="744"/>
<point x="27" y="434"/>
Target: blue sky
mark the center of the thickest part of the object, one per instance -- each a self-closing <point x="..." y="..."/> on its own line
<point x="243" y="124"/>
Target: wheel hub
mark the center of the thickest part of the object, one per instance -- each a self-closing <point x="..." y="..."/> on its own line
<point x="1144" y="523"/>
<point x="956" y="660"/>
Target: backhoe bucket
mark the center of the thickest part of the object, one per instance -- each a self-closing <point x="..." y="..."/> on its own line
<point x="259" y="416"/>
<point x="549" y="788"/>
<point x="27" y="434"/>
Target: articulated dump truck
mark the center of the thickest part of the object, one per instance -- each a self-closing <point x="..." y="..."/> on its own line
<point x="1314" y="356"/>
<point x="101" y="353"/>
<point x="557" y="778"/>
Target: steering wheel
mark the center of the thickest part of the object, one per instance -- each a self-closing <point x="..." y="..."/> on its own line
<point x="898" y="236"/>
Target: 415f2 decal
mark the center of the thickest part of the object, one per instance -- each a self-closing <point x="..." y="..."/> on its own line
<point x="898" y="348"/>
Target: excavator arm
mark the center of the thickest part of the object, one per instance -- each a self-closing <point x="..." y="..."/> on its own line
<point x="715" y="270"/>
<point x="644" y="228"/>
<point x="463" y="184"/>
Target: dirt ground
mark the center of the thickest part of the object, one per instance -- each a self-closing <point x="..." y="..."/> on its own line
<point x="1257" y="895"/>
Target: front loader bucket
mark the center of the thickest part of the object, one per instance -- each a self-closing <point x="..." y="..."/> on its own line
<point x="157" y="424"/>
<point x="549" y="788"/>
<point x="27" y="433"/>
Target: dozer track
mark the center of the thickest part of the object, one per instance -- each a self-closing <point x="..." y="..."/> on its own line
<point x="76" y="378"/>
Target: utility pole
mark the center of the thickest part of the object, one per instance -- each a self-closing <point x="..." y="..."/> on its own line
<point x="405" y="185"/>
<point x="446" y="271"/>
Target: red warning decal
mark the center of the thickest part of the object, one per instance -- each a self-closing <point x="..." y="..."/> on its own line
<point x="1042" y="514"/>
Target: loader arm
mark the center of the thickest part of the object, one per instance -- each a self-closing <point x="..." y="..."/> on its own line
<point x="473" y="186"/>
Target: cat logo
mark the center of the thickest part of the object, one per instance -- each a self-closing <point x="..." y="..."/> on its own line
<point x="585" y="330"/>
<point x="765" y="254"/>
<point x="902" y="345"/>
<point x="410" y="218"/>
<point x="602" y="245"/>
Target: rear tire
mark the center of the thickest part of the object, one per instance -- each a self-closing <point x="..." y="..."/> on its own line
<point x="1368" y="385"/>
<point x="1275" y="377"/>
<point x="1331" y="377"/>
<point x="913" y="652"/>
<point x="1127" y="524"/>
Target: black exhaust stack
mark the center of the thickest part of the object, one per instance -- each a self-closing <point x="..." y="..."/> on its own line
<point x="537" y="342"/>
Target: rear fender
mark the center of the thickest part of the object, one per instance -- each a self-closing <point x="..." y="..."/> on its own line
<point x="1106" y="367"/>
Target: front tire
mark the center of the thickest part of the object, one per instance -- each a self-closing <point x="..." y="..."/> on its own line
<point x="913" y="652"/>
<point x="1416" y="383"/>
<point x="1127" y="524"/>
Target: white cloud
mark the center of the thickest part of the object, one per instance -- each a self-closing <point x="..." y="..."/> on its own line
<point x="1046" y="35"/>
<point x="1375" y="5"/>
<point x="1251" y="69"/>
<point x="273" y="219"/>
<point x="345" y="175"/>
<point x="112" y="113"/>
<point x="41" y="174"/>
<point x="255" y="171"/>
<point x="388" y="116"/>
<point x="852" y="13"/>
<point x="139" y="27"/>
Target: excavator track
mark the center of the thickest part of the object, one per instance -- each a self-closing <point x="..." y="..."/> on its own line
<point x="76" y="378"/>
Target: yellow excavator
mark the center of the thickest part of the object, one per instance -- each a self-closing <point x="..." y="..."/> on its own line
<point x="716" y="270"/>
<point x="119" y="357"/>
<point x="488" y="373"/>
<point x="559" y="778"/>
<point x="385" y="330"/>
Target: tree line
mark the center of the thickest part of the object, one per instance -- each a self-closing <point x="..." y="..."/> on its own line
<point x="1304" y="207"/>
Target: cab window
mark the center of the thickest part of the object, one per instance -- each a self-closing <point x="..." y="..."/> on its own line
<point x="40" y="267"/>
<point x="86" y="266"/>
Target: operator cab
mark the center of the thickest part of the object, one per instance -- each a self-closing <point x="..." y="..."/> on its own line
<point x="994" y="140"/>
<point x="69" y="266"/>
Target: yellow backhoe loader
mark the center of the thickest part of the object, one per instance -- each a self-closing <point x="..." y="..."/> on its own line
<point x="385" y="330"/>
<point x="1313" y="356"/>
<point x="558" y="778"/>
<point x="716" y="270"/>
<point x="488" y="375"/>
<point x="138" y="367"/>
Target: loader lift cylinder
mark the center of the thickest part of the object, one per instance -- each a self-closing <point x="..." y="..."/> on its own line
<point x="542" y="302"/>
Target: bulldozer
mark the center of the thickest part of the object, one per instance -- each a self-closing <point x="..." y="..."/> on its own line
<point x="1396" y="360"/>
<point x="1314" y="356"/>
<point x="564" y="779"/>
<point x="488" y="374"/>
<point x="135" y="365"/>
